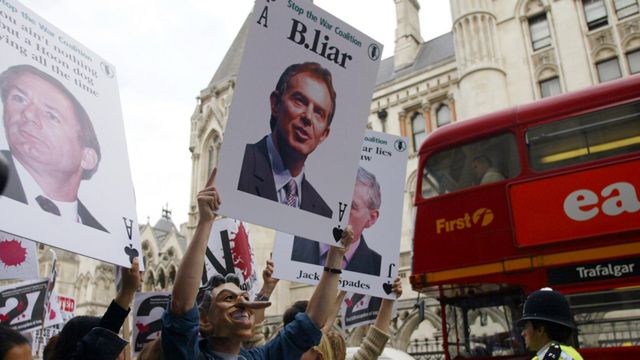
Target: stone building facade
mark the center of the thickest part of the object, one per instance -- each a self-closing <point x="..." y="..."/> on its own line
<point x="499" y="54"/>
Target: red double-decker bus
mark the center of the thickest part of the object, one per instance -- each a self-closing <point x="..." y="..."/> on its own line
<point x="545" y="194"/>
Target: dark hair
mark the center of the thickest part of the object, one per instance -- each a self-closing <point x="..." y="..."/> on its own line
<point x="293" y="310"/>
<point x="9" y="339"/>
<point x="72" y="332"/>
<point x="47" y="353"/>
<point x="87" y="133"/>
<point x="483" y="159"/>
<point x="204" y="293"/>
<point x="554" y="331"/>
<point x="312" y="68"/>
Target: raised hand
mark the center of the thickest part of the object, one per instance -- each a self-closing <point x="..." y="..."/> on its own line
<point x="131" y="280"/>
<point x="397" y="287"/>
<point x="268" y="281"/>
<point x="208" y="199"/>
<point x="335" y="254"/>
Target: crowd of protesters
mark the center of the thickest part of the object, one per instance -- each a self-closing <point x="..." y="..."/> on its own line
<point x="218" y="320"/>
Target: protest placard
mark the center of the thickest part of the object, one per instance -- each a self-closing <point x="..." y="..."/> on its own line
<point x="22" y="304"/>
<point x="376" y="219"/>
<point x="229" y="251"/>
<point x="18" y="258"/>
<point x="63" y="137"/>
<point x="147" y="310"/>
<point x="358" y="310"/>
<point x="62" y="309"/>
<point x="299" y="110"/>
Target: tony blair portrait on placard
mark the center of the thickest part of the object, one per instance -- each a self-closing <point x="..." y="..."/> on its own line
<point x="302" y="106"/>
<point x="52" y="145"/>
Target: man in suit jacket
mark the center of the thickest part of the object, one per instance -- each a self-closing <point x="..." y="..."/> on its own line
<point x="302" y="108"/>
<point x="365" y="210"/>
<point x="53" y="145"/>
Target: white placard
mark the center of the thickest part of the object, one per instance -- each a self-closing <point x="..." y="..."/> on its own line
<point x="314" y="128"/>
<point x="229" y="251"/>
<point x="18" y="258"/>
<point x="22" y="304"/>
<point x="373" y="259"/>
<point x="70" y="184"/>
<point x="359" y="310"/>
<point x="147" y="310"/>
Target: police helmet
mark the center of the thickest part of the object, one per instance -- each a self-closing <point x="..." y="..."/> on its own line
<point x="547" y="305"/>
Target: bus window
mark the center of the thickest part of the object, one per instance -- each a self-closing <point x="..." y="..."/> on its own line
<point x="588" y="137"/>
<point x="607" y="318"/>
<point x="485" y="161"/>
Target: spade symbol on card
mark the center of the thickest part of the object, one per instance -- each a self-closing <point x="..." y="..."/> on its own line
<point x="133" y="253"/>
<point x="337" y="233"/>
<point x="387" y="288"/>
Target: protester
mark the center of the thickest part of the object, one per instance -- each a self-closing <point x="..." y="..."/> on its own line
<point x="229" y="319"/>
<point x="268" y="285"/>
<point x="378" y="334"/>
<point x="47" y="353"/>
<point x="547" y="326"/>
<point x="13" y="346"/>
<point x="333" y="348"/>
<point x="90" y="337"/>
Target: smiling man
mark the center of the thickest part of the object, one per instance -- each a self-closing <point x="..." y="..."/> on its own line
<point x="53" y="145"/>
<point x="302" y="108"/>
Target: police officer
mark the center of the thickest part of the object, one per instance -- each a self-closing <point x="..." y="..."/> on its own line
<point x="547" y="325"/>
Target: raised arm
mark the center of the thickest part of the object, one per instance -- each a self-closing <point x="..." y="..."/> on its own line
<point x="118" y="310"/>
<point x="378" y="335"/>
<point x="131" y="280"/>
<point x="383" y="320"/>
<point x="334" y="312"/>
<point x="268" y="285"/>
<point x="325" y="293"/>
<point x="189" y="273"/>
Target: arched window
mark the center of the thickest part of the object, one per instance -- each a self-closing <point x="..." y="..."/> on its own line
<point x="418" y="130"/>
<point x="172" y="274"/>
<point x="161" y="279"/>
<point x="443" y="115"/>
<point x="550" y="87"/>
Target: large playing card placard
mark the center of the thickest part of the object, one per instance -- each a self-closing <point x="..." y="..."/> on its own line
<point x="371" y="263"/>
<point x="63" y="136"/>
<point x="291" y="143"/>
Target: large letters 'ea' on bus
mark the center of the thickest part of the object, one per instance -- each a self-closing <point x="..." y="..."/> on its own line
<point x="582" y="205"/>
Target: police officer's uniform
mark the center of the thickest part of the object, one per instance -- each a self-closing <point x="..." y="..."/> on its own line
<point x="554" y="351"/>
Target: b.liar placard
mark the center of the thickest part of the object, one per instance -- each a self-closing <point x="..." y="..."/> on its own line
<point x="299" y="110"/>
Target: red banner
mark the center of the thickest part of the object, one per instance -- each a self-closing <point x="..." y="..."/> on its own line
<point x="577" y="205"/>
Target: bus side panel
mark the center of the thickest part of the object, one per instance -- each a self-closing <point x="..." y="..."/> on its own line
<point x="577" y="205"/>
<point x="463" y="229"/>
